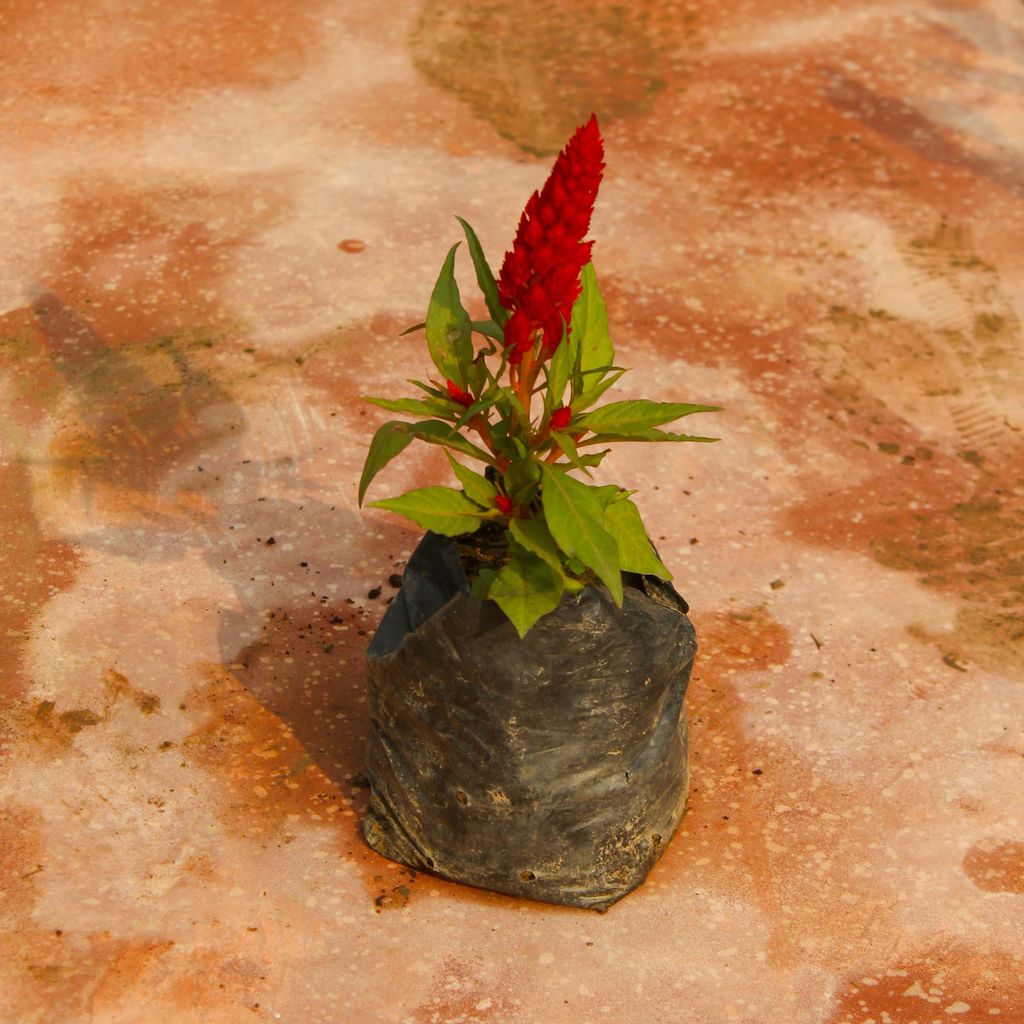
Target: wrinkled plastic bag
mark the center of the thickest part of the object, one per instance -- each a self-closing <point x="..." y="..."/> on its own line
<point x="553" y="767"/>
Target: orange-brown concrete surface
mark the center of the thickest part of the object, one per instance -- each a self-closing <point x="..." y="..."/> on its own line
<point x="216" y="219"/>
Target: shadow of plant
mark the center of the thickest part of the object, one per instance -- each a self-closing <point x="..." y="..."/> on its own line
<point x="293" y="642"/>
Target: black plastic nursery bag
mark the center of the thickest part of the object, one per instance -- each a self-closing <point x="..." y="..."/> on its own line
<point x="552" y="767"/>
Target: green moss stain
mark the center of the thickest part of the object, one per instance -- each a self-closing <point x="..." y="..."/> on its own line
<point x="987" y="325"/>
<point x="78" y="719"/>
<point x="36" y="385"/>
<point x="906" y="371"/>
<point x="134" y="410"/>
<point x="537" y="69"/>
<point x="974" y="549"/>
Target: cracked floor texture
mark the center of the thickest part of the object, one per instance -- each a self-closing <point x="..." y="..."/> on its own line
<point x="218" y="217"/>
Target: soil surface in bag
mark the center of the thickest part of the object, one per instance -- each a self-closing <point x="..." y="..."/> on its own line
<point x="552" y="767"/>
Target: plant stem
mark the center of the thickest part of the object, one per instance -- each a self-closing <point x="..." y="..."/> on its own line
<point x="480" y="425"/>
<point x="557" y="451"/>
<point x="527" y="373"/>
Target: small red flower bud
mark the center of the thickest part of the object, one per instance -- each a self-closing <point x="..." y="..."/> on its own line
<point x="503" y="503"/>
<point x="458" y="395"/>
<point x="560" y="418"/>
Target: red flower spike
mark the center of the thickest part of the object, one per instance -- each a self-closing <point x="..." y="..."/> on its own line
<point x="505" y="504"/>
<point x="560" y="418"/>
<point x="540" y="276"/>
<point x="458" y="395"/>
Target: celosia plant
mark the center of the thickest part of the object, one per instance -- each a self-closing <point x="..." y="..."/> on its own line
<point x="524" y="404"/>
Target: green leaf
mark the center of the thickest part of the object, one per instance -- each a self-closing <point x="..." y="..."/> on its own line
<point x="535" y="537"/>
<point x="489" y="329"/>
<point x="478" y="488"/>
<point x="594" y="458"/>
<point x="509" y="406"/>
<point x="439" y="432"/>
<point x="481" y="586"/>
<point x="413" y="329"/>
<point x="526" y="588"/>
<point x="590" y="325"/>
<point x="639" y="414"/>
<point x="435" y="392"/>
<point x="588" y="398"/>
<point x="575" y="515"/>
<point x="644" y="435"/>
<point x="476" y="376"/>
<point x="622" y="520"/>
<point x="483" y="403"/>
<point x="394" y="437"/>
<point x="521" y="480"/>
<point x="607" y="493"/>
<point x="391" y="439"/>
<point x="448" y="327"/>
<point x="484" y="276"/>
<point x="559" y="370"/>
<point x="503" y="444"/>
<point x="568" y="446"/>
<point x="441" y="509"/>
<point x="413" y="406"/>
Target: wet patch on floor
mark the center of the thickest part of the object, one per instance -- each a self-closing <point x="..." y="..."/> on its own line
<point x="952" y="985"/>
<point x="996" y="865"/>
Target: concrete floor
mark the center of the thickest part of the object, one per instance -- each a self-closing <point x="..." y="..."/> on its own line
<point x="217" y="218"/>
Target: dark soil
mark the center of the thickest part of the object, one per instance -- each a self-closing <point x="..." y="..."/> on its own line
<point x="487" y="548"/>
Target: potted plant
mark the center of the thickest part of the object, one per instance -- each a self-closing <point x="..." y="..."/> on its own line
<point x="526" y="685"/>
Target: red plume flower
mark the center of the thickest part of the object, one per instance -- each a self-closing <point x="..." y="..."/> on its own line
<point x="540" y="277"/>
